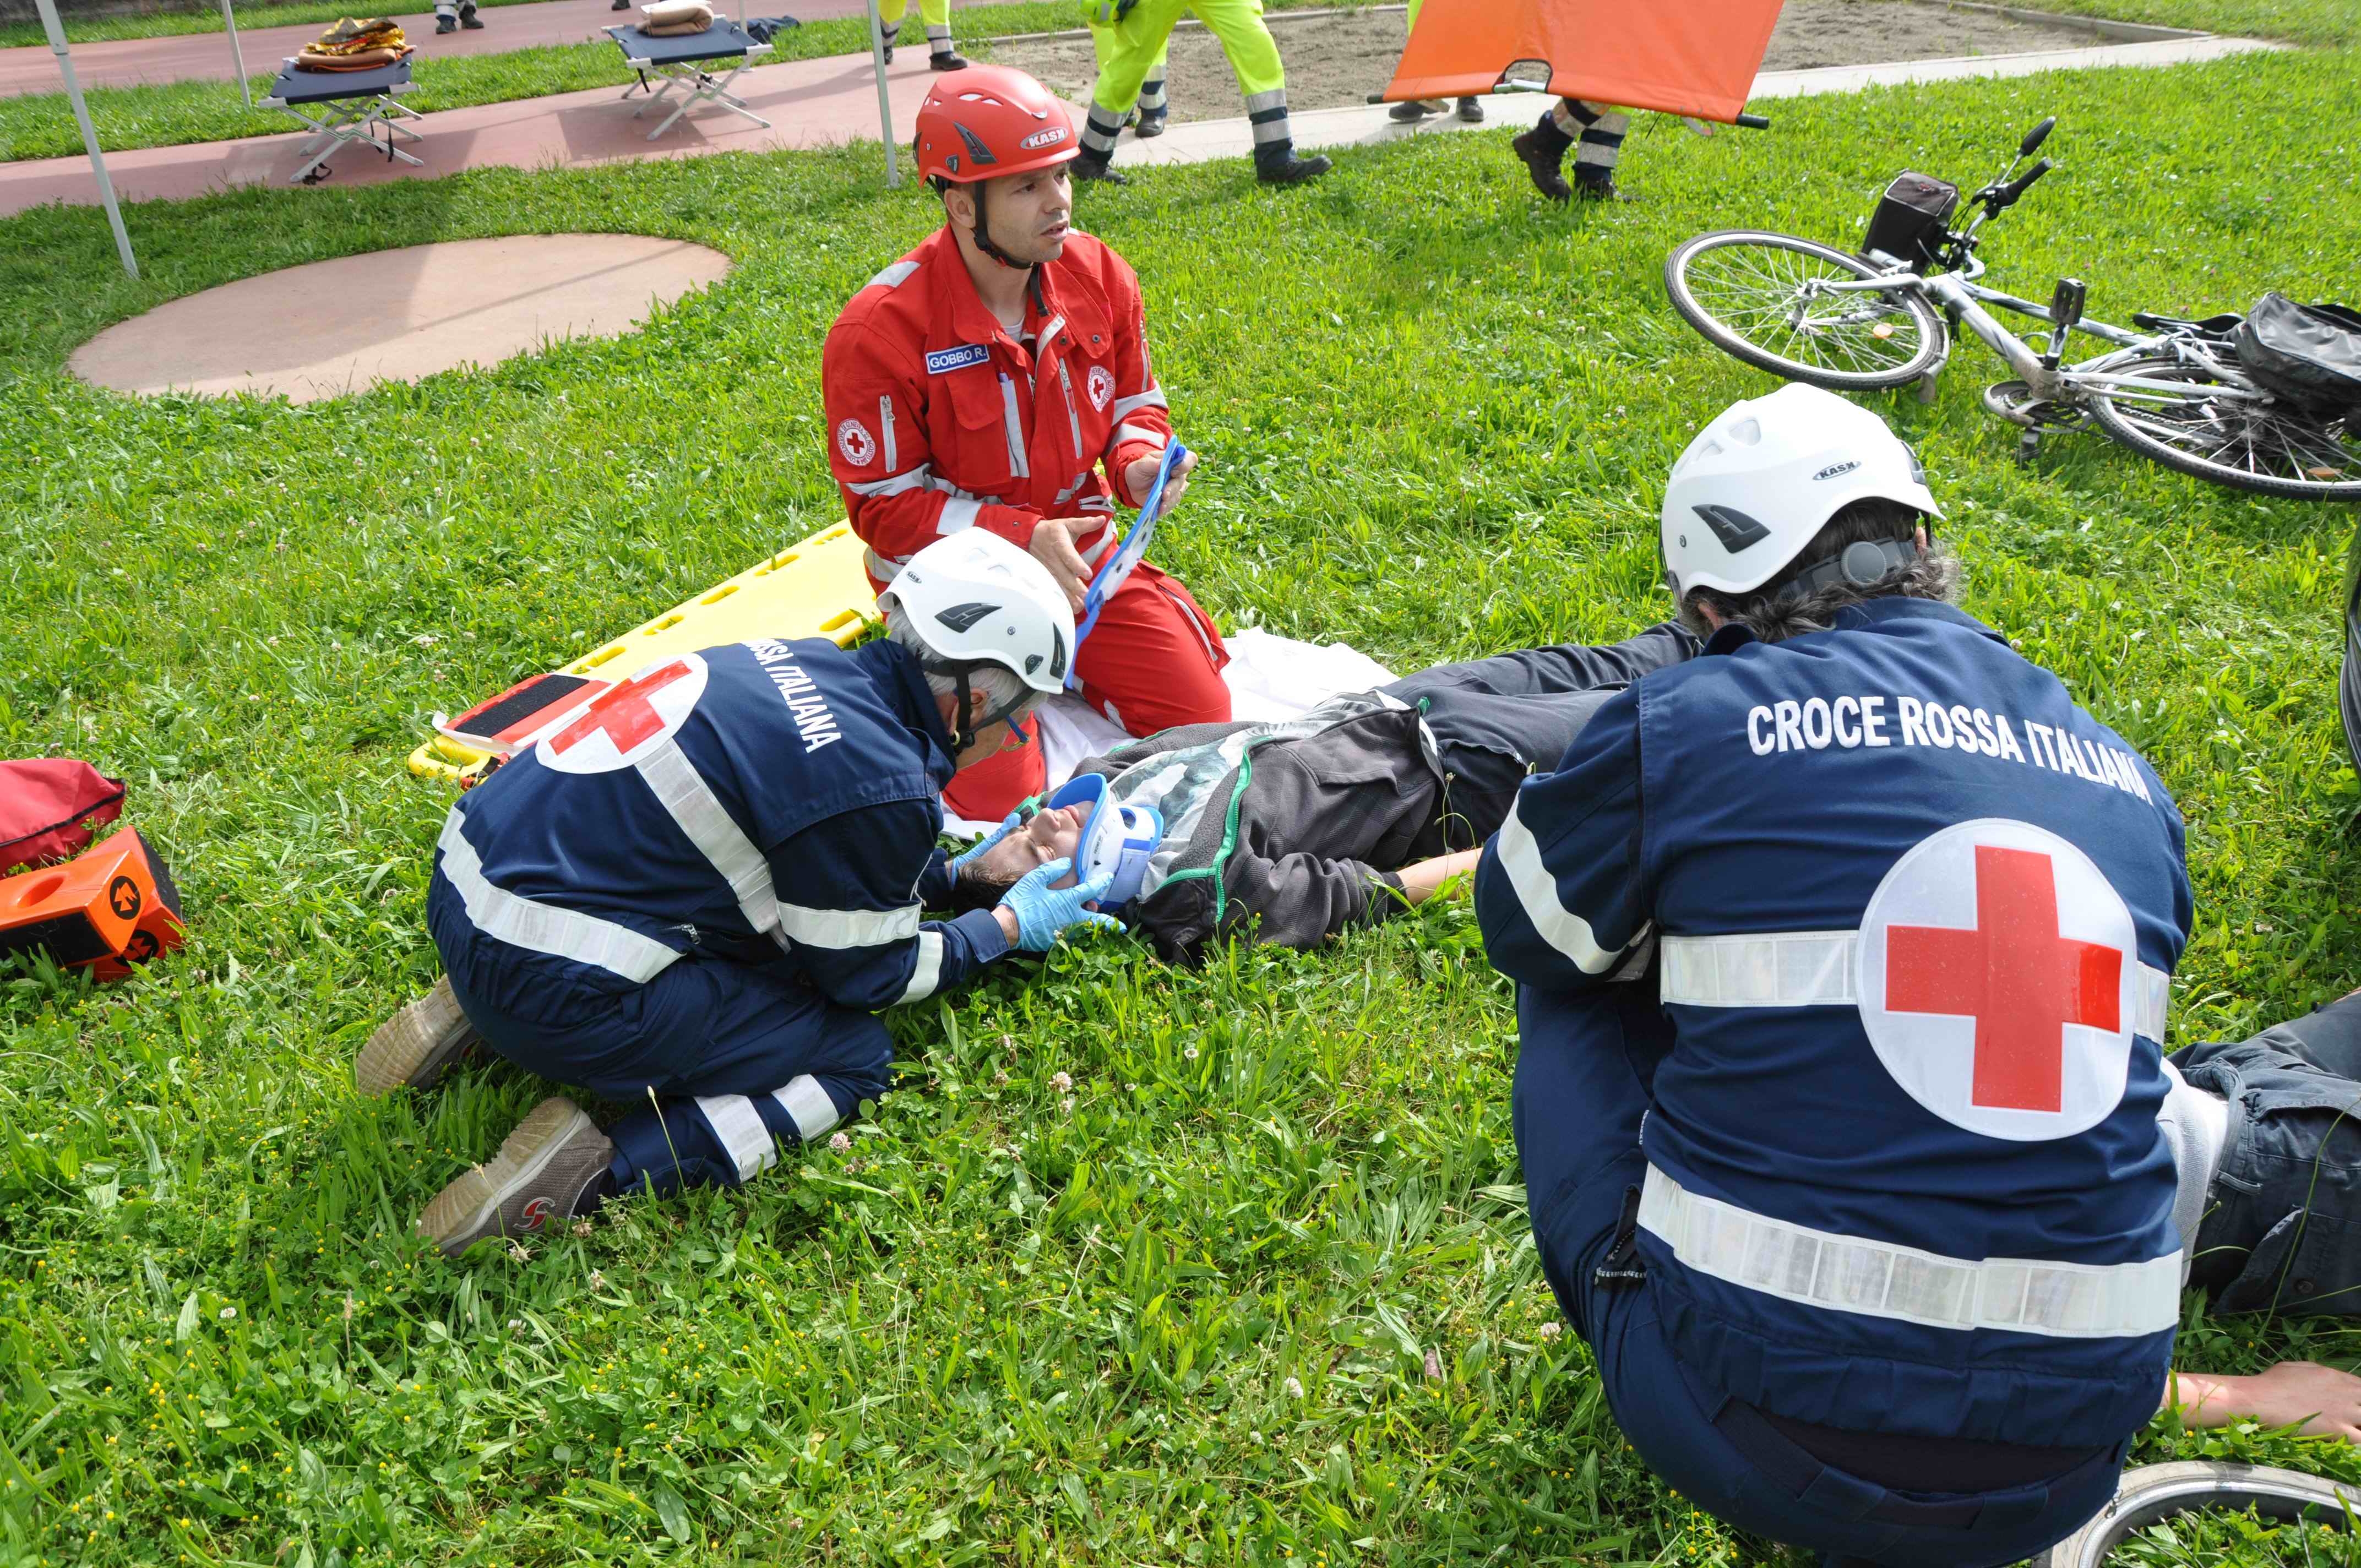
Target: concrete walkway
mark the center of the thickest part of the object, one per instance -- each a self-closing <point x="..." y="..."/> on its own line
<point x="198" y="56"/>
<point x="824" y="103"/>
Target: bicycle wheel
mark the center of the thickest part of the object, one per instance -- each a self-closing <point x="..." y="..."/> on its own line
<point x="2154" y="1492"/>
<point x="1756" y="295"/>
<point x="2246" y="443"/>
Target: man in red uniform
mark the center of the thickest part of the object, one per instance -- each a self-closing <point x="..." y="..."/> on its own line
<point x="998" y="378"/>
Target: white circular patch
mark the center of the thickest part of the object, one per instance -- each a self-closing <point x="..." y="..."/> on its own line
<point x="1997" y="972"/>
<point x="626" y="722"/>
<point x="852" y="439"/>
<point x="1100" y="384"/>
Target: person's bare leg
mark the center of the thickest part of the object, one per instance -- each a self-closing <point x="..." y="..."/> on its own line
<point x="1424" y="879"/>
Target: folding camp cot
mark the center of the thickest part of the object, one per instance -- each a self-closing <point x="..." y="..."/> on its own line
<point x="343" y="106"/>
<point x="682" y="61"/>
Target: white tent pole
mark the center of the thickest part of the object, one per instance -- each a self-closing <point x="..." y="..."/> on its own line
<point x="885" y="99"/>
<point x="236" y="53"/>
<point x="57" y="31"/>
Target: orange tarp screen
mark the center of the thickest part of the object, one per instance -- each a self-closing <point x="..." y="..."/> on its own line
<point x="1682" y="56"/>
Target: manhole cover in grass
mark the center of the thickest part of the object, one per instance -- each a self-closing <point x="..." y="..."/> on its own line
<point x="331" y="327"/>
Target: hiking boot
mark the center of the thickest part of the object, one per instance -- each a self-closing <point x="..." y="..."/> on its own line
<point x="949" y="60"/>
<point x="553" y="1168"/>
<point x="1543" y="160"/>
<point x="1472" y="110"/>
<point x="1086" y="167"/>
<point x="1151" y="125"/>
<point x="889" y="53"/>
<point x="1276" y="164"/>
<point x="416" y="1046"/>
<point x="1411" y="111"/>
<point x="469" y="20"/>
<point x="1598" y="188"/>
<point x="447" y="24"/>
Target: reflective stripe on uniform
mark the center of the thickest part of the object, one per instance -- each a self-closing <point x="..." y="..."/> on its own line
<point x="893" y="276"/>
<point x="842" y="928"/>
<point x="740" y="1128"/>
<point x="1126" y="406"/>
<point x="809" y="1104"/>
<point x="1814" y="969"/>
<point x="918" y="479"/>
<point x="545" y="927"/>
<point x="1878" y="1279"/>
<point x="1536" y="891"/>
<point x="1014" y="425"/>
<point x="699" y="813"/>
<point x="927" y="973"/>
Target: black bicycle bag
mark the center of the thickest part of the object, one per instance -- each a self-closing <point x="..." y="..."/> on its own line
<point x="1911" y="219"/>
<point x="2308" y="355"/>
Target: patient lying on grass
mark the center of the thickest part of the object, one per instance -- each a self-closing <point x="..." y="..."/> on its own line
<point x="1293" y="832"/>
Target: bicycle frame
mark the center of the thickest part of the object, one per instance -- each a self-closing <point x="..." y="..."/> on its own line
<point x="1963" y="301"/>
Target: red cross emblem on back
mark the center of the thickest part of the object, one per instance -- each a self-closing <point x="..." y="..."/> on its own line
<point x="2014" y="974"/>
<point x="623" y="712"/>
<point x="1997" y="980"/>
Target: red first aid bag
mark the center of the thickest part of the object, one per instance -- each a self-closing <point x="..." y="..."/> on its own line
<point x="47" y="806"/>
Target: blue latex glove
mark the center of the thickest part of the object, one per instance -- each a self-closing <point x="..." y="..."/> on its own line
<point x="1044" y="912"/>
<point x="983" y="845"/>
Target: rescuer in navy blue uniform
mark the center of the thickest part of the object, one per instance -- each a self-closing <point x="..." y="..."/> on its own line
<point x="1843" y="954"/>
<point x="697" y="894"/>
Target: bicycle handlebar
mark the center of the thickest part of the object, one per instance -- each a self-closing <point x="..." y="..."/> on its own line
<point x="2004" y="197"/>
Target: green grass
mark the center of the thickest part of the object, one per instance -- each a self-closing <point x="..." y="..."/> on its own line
<point x="1003" y="1327"/>
<point x="172" y="113"/>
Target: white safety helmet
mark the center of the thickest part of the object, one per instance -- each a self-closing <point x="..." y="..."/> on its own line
<point x="1760" y="482"/>
<point x="976" y="600"/>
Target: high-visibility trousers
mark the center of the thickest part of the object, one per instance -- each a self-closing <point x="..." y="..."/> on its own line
<point x="1129" y="49"/>
<point x="933" y="13"/>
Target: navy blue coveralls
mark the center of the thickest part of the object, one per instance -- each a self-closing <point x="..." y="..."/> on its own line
<point x="707" y="887"/>
<point x="1842" y="968"/>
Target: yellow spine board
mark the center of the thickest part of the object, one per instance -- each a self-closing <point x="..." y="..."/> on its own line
<point x="816" y="588"/>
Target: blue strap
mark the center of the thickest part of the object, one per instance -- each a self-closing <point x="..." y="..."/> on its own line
<point x="1126" y="554"/>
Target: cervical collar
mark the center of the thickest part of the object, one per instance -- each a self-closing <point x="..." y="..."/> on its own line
<point x="1117" y="839"/>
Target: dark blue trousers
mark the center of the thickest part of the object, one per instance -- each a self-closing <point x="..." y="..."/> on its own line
<point x="2282" y="1226"/>
<point x="728" y="1064"/>
<point x="1578" y="1104"/>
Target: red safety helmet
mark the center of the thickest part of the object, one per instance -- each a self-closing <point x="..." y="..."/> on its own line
<point x="990" y="120"/>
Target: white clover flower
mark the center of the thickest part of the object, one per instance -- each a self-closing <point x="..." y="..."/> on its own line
<point x="1062" y="1081"/>
<point x="1294" y="1389"/>
<point x="1551" y="1330"/>
<point x="840" y="1143"/>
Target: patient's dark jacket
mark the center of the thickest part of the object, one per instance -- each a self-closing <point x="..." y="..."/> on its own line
<point x="1292" y="832"/>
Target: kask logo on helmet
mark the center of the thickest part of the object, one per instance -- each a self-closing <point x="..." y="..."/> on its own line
<point x="1833" y="469"/>
<point x="1054" y="134"/>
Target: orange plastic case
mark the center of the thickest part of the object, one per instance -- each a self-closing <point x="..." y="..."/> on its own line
<point x="110" y="906"/>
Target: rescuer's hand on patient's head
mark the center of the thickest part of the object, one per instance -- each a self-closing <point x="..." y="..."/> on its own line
<point x="1053" y="547"/>
<point x="1041" y="910"/>
<point x="2327" y="1401"/>
<point x="1141" y="473"/>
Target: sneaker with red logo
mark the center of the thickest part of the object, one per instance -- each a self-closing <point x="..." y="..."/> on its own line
<point x="550" y="1170"/>
<point x="416" y="1046"/>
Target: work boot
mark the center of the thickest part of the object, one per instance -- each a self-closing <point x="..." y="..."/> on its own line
<point x="1544" y="150"/>
<point x="1472" y="110"/>
<point x="1276" y="164"/>
<point x="1151" y="124"/>
<point x="1411" y="111"/>
<point x="416" y="1046"/>
<point x="946" y="59"/>
<point x="447" y="24"/>
<point x="1598" y="186"/>
<point x="620" y="6"/>
<point x="889" y="51"/>
<point x="1086" y="167"/>
<point x="552" y="1169"/>
<point x="469" y="20"/>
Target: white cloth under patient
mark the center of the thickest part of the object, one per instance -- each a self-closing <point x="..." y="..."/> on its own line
<point x="1270" y="678"/>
